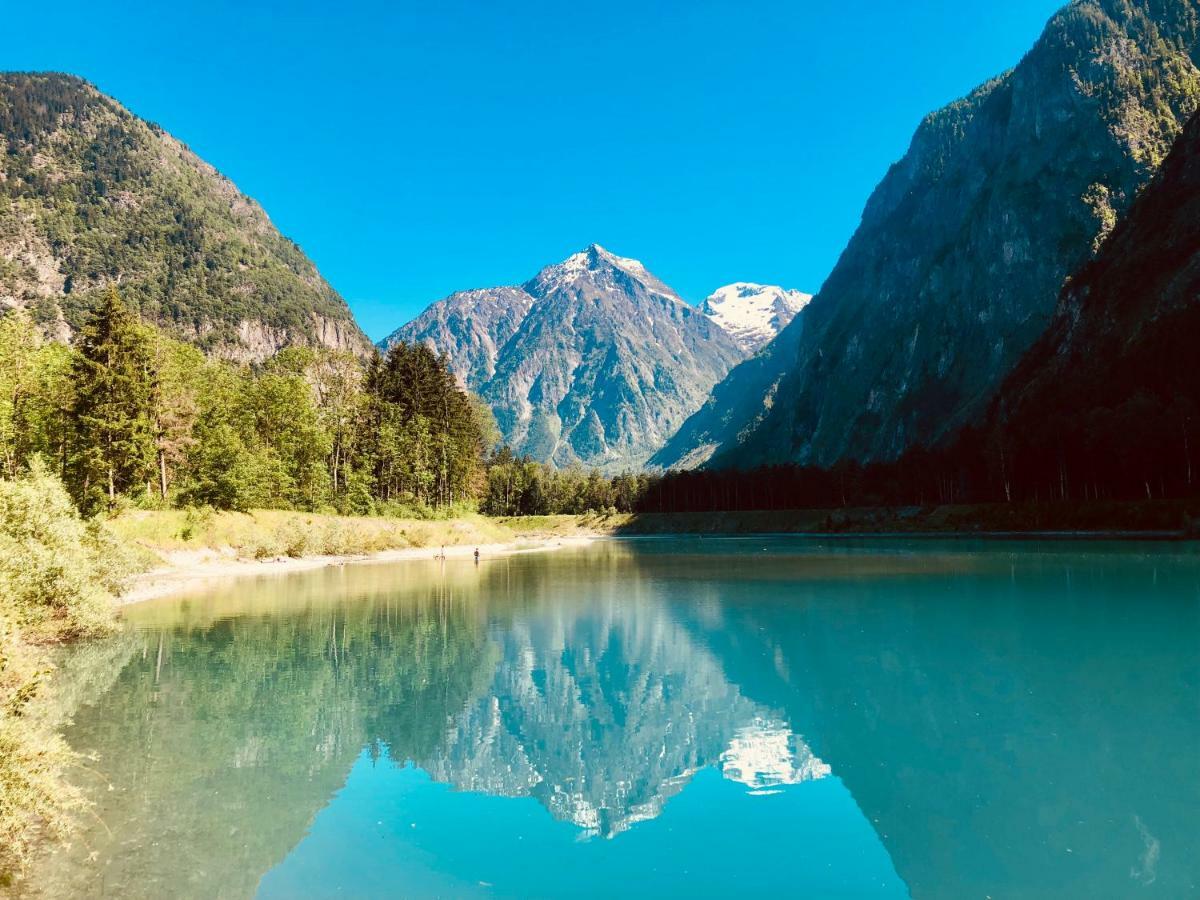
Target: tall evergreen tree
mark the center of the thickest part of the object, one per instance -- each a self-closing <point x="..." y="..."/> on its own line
<point x="113" y="451"/>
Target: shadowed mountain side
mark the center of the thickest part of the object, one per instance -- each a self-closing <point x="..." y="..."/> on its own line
<point x="956" y="267"/>
<point x="1109" y="396"/>
<point x="735" y="406"/>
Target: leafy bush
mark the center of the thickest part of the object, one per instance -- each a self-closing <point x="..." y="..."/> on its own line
<point x="57" y="572"/>
<point x="57" y="577"/>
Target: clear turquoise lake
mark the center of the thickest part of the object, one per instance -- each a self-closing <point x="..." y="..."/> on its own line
<point x="716" y="717"/>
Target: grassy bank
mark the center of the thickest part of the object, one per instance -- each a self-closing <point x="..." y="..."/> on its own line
<point x="264" y="534"/>
<point x="158" y="535"/>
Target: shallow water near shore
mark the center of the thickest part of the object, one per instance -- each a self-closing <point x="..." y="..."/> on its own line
<point x="655" y="717"/>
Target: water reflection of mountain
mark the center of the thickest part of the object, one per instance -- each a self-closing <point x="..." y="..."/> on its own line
<point x="1013" y="726"/>
<point x="602" y="713"/>
<point x="237" y="715"/>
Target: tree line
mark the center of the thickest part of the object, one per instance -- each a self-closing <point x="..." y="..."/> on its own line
<point x="1139" y="448"/>
<point x="128" y="414"/>
<point x="520" y="486"/>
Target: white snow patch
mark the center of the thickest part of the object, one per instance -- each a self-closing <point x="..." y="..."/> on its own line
<point x="753" y="313"/>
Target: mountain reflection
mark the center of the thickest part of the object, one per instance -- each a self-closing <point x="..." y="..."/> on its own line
<point x="237" y="714"/>
<point x="603" y="712"/>
<point x="1009" y="721"/>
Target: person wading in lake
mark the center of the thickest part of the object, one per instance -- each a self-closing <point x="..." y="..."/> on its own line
<point x="476" y="556"/>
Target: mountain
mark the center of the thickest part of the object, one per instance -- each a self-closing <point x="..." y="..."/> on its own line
<point x="470" y="327"/>
<point x="1109" y="395"/>
<point x="955" y="268"/>
<point x="753" y="313"/>
<point x="93" y="195"/>
<point x="594" y="361"/>
<point x="737" y="404"/>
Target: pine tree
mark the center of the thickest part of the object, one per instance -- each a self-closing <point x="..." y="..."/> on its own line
<point x="113" y="450"/>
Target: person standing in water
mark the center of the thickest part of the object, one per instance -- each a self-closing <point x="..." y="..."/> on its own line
<point x="476" y="556"/>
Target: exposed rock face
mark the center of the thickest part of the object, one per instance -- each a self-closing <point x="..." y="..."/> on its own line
<point x="736" y="405"/>
<point x="594" y="361"/>
<point x="91" y="195"/>
<point x="753" y="313"/>
<point x="956" y="267"/>
<point x="470" y="327"/>
<point x="1116" y="370"/>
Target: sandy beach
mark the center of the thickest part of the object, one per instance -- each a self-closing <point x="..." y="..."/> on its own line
<point x="186" y="571"/>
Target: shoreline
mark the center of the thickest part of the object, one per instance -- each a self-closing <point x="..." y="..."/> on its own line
<point x="190" y="570"/>
<point x="1053" y="536"/>
<point x="185" y="571"/>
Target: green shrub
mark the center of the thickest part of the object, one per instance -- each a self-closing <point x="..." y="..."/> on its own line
<point x="57" y="577"/>
<point x="57" y="572"/>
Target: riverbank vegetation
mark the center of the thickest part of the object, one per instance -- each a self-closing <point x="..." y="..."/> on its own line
<point x="270" y="534"/>
<point x="58" y="575"/>
<point x="129" y="417"/>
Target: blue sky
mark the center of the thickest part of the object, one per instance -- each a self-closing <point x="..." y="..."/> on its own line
<point x="413" y="149"/>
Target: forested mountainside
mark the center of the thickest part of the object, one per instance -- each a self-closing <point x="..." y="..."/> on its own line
<point x="593" y="361"/>
<point x="1110" y="395"/>
<point x="91" y="195"/>
<point x="955" y="269"/>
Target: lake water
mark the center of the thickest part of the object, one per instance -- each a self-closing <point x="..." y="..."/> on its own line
<point x="666" y="717"/>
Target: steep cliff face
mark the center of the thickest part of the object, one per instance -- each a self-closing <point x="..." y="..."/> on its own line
<point x="470" y="327"/>
<point x="956" y="267"/>
<point x="1110" y="393"/>
<point x="736" y="406"/>
<point x="93" y="195"/>
<point x="594" y="361"/>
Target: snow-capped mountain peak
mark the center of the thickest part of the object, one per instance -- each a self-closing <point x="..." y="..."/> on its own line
<point x="596" y="264"/>
<point x="753" y="313"/>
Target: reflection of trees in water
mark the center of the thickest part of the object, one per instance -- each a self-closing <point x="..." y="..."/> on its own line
<point x="222" y="738"/>
<point x="238" y="713"/>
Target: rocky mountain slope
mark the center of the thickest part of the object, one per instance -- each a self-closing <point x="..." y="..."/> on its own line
<point x="593" y="361"/>
<point x="955" y="269"/>
<point x="735" y="407"/>
<point x="470" y="327"/>
<point x="753" y="313"/>
<point x="1109" y="395"/>
<point x="91" y="195"/>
